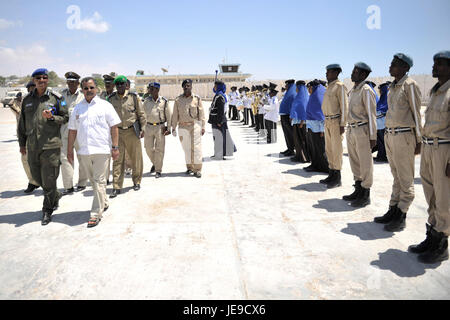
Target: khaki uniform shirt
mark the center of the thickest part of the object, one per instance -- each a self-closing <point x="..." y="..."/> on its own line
<point x="404" y="101"/>
<point x="362" y="107"/>
<point x="437" y="114"/>
<point x="37" y="132"/>
<point x="71" y="100"/>
<point x="335" y="100"/>
<point x="129" y="109"/>
<point x="188" y="109"/>
<point x="157" y="111"/>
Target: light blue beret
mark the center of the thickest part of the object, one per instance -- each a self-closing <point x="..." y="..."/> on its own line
<point x="405" y="58"/>
<point x="364" y="66"/>
<point x="334" y="66"/>
<point x="442" y="54"/>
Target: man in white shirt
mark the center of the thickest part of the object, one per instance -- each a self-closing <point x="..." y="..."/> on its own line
<point x="234" y="99"/>
<point x="93" y="123"/>
<point x="271" y="116"/>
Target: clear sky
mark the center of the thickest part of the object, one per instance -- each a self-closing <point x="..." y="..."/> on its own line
<point x="270" y="39"/>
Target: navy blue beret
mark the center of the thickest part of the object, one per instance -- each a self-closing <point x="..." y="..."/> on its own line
<point x="39" y="72"/>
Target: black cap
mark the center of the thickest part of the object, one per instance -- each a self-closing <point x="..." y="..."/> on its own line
<point x="265" y="86"/>
<point x="290" y="81"/>
<point x="72" y="76"/>
<point x="272" y="85"/>
<point x="300" y="82"/>
<point x="186" y="81"/>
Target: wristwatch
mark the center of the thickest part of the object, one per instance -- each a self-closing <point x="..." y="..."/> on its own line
<point x="115" y="147"/>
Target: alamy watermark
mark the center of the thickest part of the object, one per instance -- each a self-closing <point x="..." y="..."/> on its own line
<point x="374" y="20"/>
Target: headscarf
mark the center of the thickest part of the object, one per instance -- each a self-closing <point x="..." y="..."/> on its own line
<point x="382" y="104"/>
<point x="221" y="89"/>
<point x="286" y="103"/>
<point x="298" y="110"/>
<point x="314" y="107"/>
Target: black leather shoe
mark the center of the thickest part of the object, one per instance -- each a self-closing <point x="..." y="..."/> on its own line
<point x="114" y="193"/>
<point x="81" y="188"/>
<point x="387" y="217"/>
<point x="189" y="172"/>
<point x="30" y="188"/>
<point x="68" y="191"/>
<point x="398" y="221"/>
<point x="284" y="152"/>
<point x="158" y="175"/>
<point x="355" y="193"/>
<point x="198" y="174"/>
<point x="329" y="178"/>
<point x="289" y="154"/>
<point x="424" y="245"/>
<point x="152" y="169"/>
<point x="46" y="217"/>
<point x="310" y="168"/>
<point x="136" y="187"/>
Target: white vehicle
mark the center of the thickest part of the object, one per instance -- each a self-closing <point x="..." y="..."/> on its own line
<point x="11" y="95"/>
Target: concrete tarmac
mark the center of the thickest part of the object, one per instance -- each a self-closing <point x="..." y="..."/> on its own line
<point x="253" y="227"/>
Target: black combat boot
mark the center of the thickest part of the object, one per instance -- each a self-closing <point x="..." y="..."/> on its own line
<point x="387" y="217"/>
<point x="363" y="198"/>
<point x="335" y="180"/>
<point x="438" y="250"/>
<point x="398" y="221"/>
<point x="355" y="193"/>
<point x="424" y="245"/>
<point x="330" y="176"/>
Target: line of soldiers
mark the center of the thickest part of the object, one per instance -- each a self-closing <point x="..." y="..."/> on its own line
<point x="314" y="122"/>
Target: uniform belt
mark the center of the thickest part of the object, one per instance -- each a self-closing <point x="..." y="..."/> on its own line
<point x="154" y="124"/>
<point x="381" y="115"/>
<point x="186" y="123"/>
<point x="431" y="141"/>
<point x="397" y="130"/>
<point x="357" y="124"/>
<point x="333" y="117"/>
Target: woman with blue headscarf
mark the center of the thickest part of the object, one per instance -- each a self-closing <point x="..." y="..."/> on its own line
<point x="298" y="113"/>
<point x="223" y="143"/>
<point x="315" y="121"/>
<point x="382" y="107"/>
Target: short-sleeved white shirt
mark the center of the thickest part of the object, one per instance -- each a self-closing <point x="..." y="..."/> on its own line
<point x="93" y="122"/>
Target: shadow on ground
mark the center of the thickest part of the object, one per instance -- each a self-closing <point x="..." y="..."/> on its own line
<point x="403" y="264"/>
<point x="368" y="230"/>
<point x="19" y="193"/>
<point x="73" y="218"/>
<point x="334" y="205"/>
<point x="311" y="187"/>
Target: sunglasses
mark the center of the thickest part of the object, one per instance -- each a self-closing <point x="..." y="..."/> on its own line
<point x="88" y="88"/>
<point x="120" y="83"/>
<point x="41" y="77"/>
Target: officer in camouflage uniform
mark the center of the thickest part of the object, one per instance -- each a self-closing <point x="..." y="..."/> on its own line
<point x="43" y="113"/>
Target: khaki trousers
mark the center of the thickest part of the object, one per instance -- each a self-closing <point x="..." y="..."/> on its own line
<point x="26" y="168"/>
<point x="333" y="143"/>
<point x="154" y="143"/>
<point x="400" y="153"/>
<point x="436" y="185"/>
<point x="67" y="168"/>
<point x="191" y="141"/>
<point x="132" y="144"/>
<point x="360" y="155"/>
<point x="94" y="165"/>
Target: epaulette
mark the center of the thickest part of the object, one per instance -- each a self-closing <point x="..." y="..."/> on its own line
<point x="56" y="94"/>
<point x="111" y="95"/>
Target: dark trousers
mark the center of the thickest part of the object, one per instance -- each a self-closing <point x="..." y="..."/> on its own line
<point x="262" y="125"/>
<point x="301" y="153"/>
<point x="271" y="131"/>
<point x="315" y="146"/>
<point x="230" y="111"/>
<point x="44" y="167"/>
<point x="288" y="132"/>
<point x="246" y="113"/>
<point x="381" y="155"/>
<point x="235" y="113"/>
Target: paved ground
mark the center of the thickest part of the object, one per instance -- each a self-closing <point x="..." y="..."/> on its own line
<point x="256" y="227"/>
